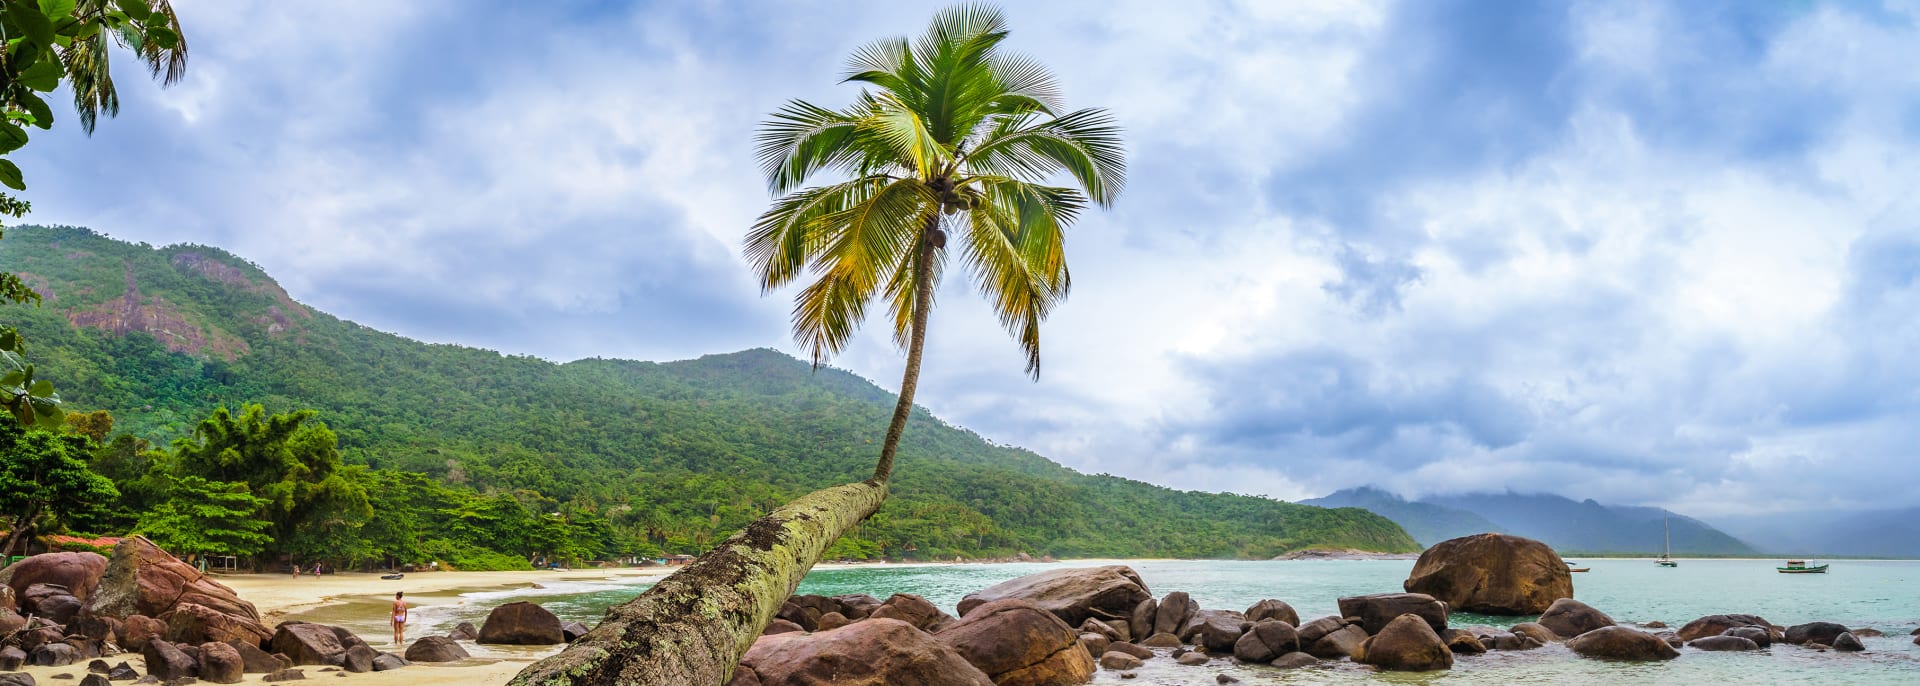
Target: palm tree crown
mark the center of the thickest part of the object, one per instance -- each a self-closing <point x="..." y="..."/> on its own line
<point x="950" y="135"/>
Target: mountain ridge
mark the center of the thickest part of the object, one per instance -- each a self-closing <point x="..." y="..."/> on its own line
<point x="1584" y="526"/>
<point x="685" y="450"/>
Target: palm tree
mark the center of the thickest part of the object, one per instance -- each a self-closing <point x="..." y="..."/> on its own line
<point x="950" y="137"/>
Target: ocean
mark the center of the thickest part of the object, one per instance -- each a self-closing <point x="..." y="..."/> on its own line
<point x="1883" y="595"/>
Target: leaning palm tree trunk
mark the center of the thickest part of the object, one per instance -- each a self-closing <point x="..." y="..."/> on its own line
<point x="692" y="628"/>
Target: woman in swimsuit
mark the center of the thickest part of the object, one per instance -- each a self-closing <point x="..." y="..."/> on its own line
<point x="399" y="617"/>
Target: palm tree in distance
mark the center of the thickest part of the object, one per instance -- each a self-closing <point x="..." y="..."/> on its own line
<point x="950" y="137"/>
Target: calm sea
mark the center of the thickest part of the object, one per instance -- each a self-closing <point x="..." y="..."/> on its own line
<point x="1883" y="595"/>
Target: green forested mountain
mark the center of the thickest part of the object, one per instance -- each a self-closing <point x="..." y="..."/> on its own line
<point x="678" y="454"/>
<point x="1426" y="522"/>
<point x="1568" y="525"/>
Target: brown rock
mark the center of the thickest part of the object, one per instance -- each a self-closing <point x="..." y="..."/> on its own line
<point x="192" y="624"/>
<point x="60" y="655"/>
<point x="1715" y="625"/>
<point x="1338" y="644"/>
<point x="831" y="621"/>
<point x="359" y="658"/>
<point x="1822" y="633"/>
<point x="1847" y="643"/>
<point x="388" y="662"/>
<point x="1096" y="644"/>
<point x="135" y="631"/>
<point x="877" y="652"/>
<point x="1192" y="659"/>
<point x="1568" y="618"/>
<point x="1493" y="574"/>
<point x="1102" y="628"/>
<point x="10" y="621"/>
<point x="1759" y="635"/>
<point x="1119" y="661"/>
<point x="1273" y="609"/>
<point x="521" y="623"/>
<point x="1462" y="642"/>
<point x="12" y="658"/>
<point x="1536" y="632"/>
<point x="1140" y="622"/>
<point x="436" y="649"/>
<point x="1267" y="640"/>
<point x="915" y="610"/>
<point x="1135" y="650"/>
<point x="253" y="660"/>
<point x="1406" y="644"/>
<point x="1173" y="613"/>
<point x="97" y="628"/>
<point x="285" y="675"/>
<point x="1723" y="642"/>
<point x="308" y="644"/>
<point x="1074" y="593"/>
<point x="76" y="572"/>
<point x="1295" y="661"/>
<point x="857" y="606"/>
<point x="1378" y="610"/>
<point x="1216" y="630"/>
<point x="168" y="662"/>
<point x="52" y="601"/>
<point x="1162" y="640"/>
<point x="142" y="579"/>
<point x="465" y="631"/>
<point x="1312" y="631"/>
<point x="1016" y="642"/>
<point x="780" y="626"/>
<point x="220" y="664"/>
<point x="1621" y="643"/>
<point x="572" y="631"/>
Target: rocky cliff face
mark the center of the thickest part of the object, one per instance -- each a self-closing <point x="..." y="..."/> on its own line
<point x="153" y="315"/>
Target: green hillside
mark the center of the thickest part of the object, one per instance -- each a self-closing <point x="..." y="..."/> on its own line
<point x="678" y="453"/>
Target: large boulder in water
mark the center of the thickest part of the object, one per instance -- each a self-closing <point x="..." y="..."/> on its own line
<point x="1715" y="625"/>
<point x="1406" y="644"/>
<point x="1377" y="610"/>
<point x="1569" y="618"/>
<point x="1723" y="642"/>
<point x="1073" y="594"/>
<point x="1216" y="630"/>
<point x="1273" y="609"/>
<point x="1493" y="574"/>
<point x="1847" y="643"/>
<point x="1018" y="643"/>
<point x="875" y="652"/>
<point x="1337" y="644"/>
<point x="1822" y="633"/>
<point x="522" y="623"/>
<point x="142" y="579"/>
<point x="1173" y="613"/>
<point x="1266" y="641"/>
<point x="77" y="572"/>
<point x="1622" y="643"/>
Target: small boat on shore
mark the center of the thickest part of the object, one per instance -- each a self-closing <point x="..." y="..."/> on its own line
<point x="1666" y="558"/>
<point x="1801" y="567"/>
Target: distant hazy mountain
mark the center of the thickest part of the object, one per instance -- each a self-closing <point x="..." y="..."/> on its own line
<point x="1427" y="522"/>
<point x="1876" y="533"/>
<point x="1566" y="524"/>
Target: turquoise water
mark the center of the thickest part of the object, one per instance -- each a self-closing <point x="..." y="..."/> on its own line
<point x="1884" y="595"/>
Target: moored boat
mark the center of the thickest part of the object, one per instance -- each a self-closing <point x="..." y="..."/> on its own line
<point x="1801" y="567"/>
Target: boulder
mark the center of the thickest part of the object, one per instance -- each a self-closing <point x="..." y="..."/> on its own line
<point x="915" y="610"/>
<point x="800" y="615"/>
<point x="136" y="630"/>
<point x="876" y="652"/>
<point x="1568" y="618"/>
<point x="16" y="680"/>
<point x="1161" y="641"/>
<point x="1377" y="610"/>
<point x="1507" y="640"/>
<point x="1267" y="640"/>
<point x="1723" y="642"/>
<point x="1312" y="631"/>
<point x="12" y="658"/>
<point x="96" y="628"/>
<point x="387" y="662"/>
<point x="1119" y="661"/>
<point x="1338" y="644"/>
<point x="1295" y="661"/>
<point x="1273" y="609"/>
<point x="359" y="658"/>
<point x="1102" y="628"/>
<point x="168" y="662"/>
<point x="521" y="623"/>
<point x="1621" y="643"/>
<point x="1822" y="633"/>
<point x="52" y="601"/>
<point x="10" y="621"/>
<point x="142" y="579"/>
<point x="221" y="664"/>
<point x="1216" y="630"/>
<point x="572" y="631"/>
<point x="1847" y="643"/>
<point x="308" y="644"/>
<point x="1494" y="574"/>
<point x="193" y="624"/>
<point x="1074" y="593"/>
<point x="1462" y="642"/>
<point x="95" y="680"/>
<point x="1715" y="625"/>
<point x="1536" y="632"/>
<point x="1095" y="644"/>
<point x="1016" y="642"/>
<point x="465" y="631"/>
<point x="76" y="572"/>
<point x="122" y="672"/>
<point x="831" y="621"/>
<point x="253" y="660"/>
<point x="1406" y="644"/>
<point x="1759" y="635"/>
<point x="435" y="649"/>
<point x="857" y="606"/>
<point x="1140" y="622"/>
<point x="1192" y="659"/>
<point x="60" y="655"/>
<point x="1173" y="613"/>
<point x="1133" y="649"/>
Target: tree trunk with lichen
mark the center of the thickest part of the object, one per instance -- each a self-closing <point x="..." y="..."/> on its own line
<point x="692" y="628"/>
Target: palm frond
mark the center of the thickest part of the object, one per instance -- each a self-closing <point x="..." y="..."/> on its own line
<point x="787" y="236"/>
<point x="800" y="139"/>
<point x="1084" y="143"/>
<point x="864" y="242"/>
<point x="1015" y="247"/>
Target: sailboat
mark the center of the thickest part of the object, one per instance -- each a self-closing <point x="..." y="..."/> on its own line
<point x="1666" y="558"/>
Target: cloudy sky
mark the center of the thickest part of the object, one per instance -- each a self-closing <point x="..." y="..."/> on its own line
<point x="1644" y="252"/>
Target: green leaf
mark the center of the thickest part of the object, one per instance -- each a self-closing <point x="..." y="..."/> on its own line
<point x="56" y="8"/>
<point x="42" y="114"/>
<point x="42" y="389"/>
<point x="13" y="379"/>
<point x="10" y="175"/>
<point x="35" y="25"/>
<point x="135" y="9"/>
<point x="163" y="37"/>
<point x="11" y="137"/>
<point x="44" y="75"/>
<point x="46" y="412"/>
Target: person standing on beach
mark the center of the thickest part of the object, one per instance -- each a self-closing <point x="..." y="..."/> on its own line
<point x="399" y="617"/>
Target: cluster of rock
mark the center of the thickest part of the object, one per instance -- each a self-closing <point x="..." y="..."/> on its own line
<point x="63" y="608"/>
